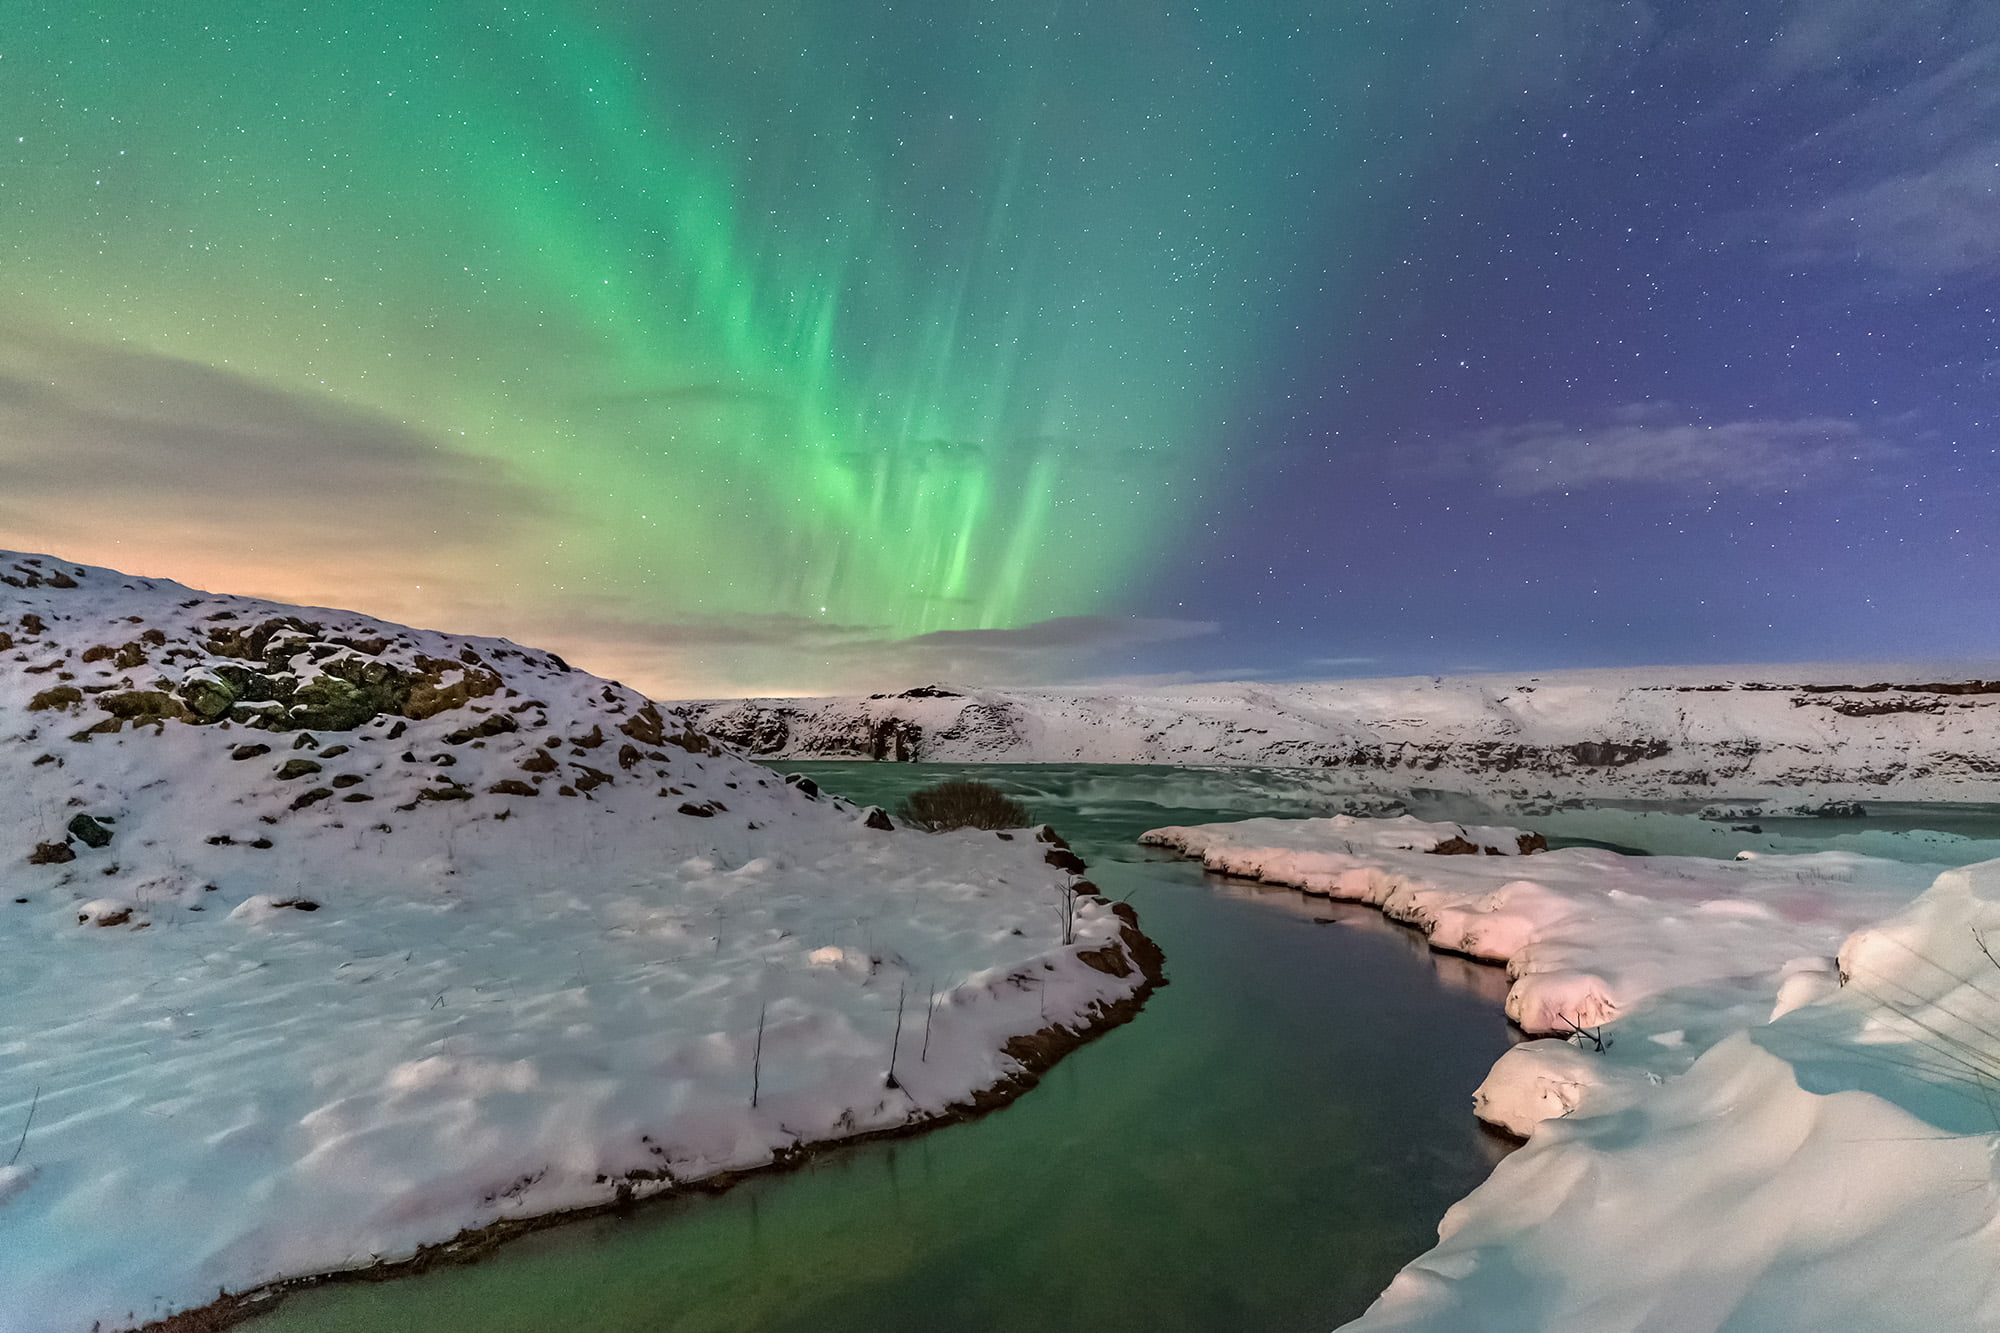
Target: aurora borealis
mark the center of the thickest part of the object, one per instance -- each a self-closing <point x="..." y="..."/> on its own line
<point x="814" y="346"/>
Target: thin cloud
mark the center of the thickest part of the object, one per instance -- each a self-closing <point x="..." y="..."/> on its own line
<point x="1639" y="447"/>
<point x="114" y="450"/>
<point x="779" y="654"/>
<point x="1911" y="177"/>
<point x="1939" y="222"/>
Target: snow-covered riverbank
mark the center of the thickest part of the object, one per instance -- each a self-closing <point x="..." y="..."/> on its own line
<point x="1780" y="1115"/>
<point x="325" y="939"/>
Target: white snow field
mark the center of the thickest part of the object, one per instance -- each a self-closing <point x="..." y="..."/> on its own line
<point x="1778" y="1116"/>
<point x="1796" y="734"/>
<point x="395" y="934"/>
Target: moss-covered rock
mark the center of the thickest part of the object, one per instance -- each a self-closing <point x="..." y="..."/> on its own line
<point x="59" y="697"/>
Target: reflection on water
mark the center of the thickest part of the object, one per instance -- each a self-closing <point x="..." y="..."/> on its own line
<point x="1484" y="981"/>
<point x="1262" y="1149"/>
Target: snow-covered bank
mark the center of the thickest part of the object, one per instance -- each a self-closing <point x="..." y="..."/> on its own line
<point x="1832" y="1169"/>
<point x="1589" y="936"/>
<point x="325" y="939"/>
<point x="1740" y="1140"/>
<point x="1803" y="734"/>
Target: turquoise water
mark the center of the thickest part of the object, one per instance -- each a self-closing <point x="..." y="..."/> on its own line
<point x="1263" y="1148"/>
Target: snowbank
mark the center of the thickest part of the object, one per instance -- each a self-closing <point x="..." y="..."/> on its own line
<point x="1832" y="1169"/>
<point x="1589" y="936"/>
<point x="324" y="940"/>
<point x="1780" y="1117"/>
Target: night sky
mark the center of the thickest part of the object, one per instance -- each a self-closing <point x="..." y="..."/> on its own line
<point x="844" y="344"/>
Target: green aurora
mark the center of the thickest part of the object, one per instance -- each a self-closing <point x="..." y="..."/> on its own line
<point x="904" y="317"/>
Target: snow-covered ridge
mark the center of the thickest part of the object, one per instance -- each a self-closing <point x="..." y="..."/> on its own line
<point x="1824" y="733"/>
<point x="323" y="940"/>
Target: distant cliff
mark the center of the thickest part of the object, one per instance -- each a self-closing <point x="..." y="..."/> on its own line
<point x="1698" y="733"/>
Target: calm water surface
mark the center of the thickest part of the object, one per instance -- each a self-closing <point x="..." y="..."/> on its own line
<point x="1262" y="1149"/>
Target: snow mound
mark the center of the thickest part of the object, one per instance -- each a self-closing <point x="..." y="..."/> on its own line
<point x="325" y="939"/>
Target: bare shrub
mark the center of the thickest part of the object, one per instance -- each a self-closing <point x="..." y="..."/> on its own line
<point x="960" y="803"/>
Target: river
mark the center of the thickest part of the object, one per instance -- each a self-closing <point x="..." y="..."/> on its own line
<point x="1262" y="1148"/>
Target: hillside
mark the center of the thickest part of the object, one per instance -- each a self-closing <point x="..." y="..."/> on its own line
<point x="1803" y="733"/>
<point x="324" y="940"/>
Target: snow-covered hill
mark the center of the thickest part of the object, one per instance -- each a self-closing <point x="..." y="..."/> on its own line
<point x="324" y="939"/>
<point x="1704" y="733"/>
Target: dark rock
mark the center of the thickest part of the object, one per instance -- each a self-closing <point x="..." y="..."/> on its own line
<point x="541" y="761"/>
<point x="878" y="818"/>
<point x="348" y="780"/>
<point x="806" y="786"/>
<point x="645" y="726"/>
<point x="50" y="854"/>
<point x="1616" y="754"/>
<point x="513" y="787"/>
<point x="896" y="739"/>
<point x="249" y="751"/>
<point x="1835" y="810"/>
<point x="1064" y="859"/>
<point x="496" y="724"/>
<point x="698" y="811"/>
<point x="316" y="794"/>
<point x="89" y="832"/>
<point x="296" y="768"/>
